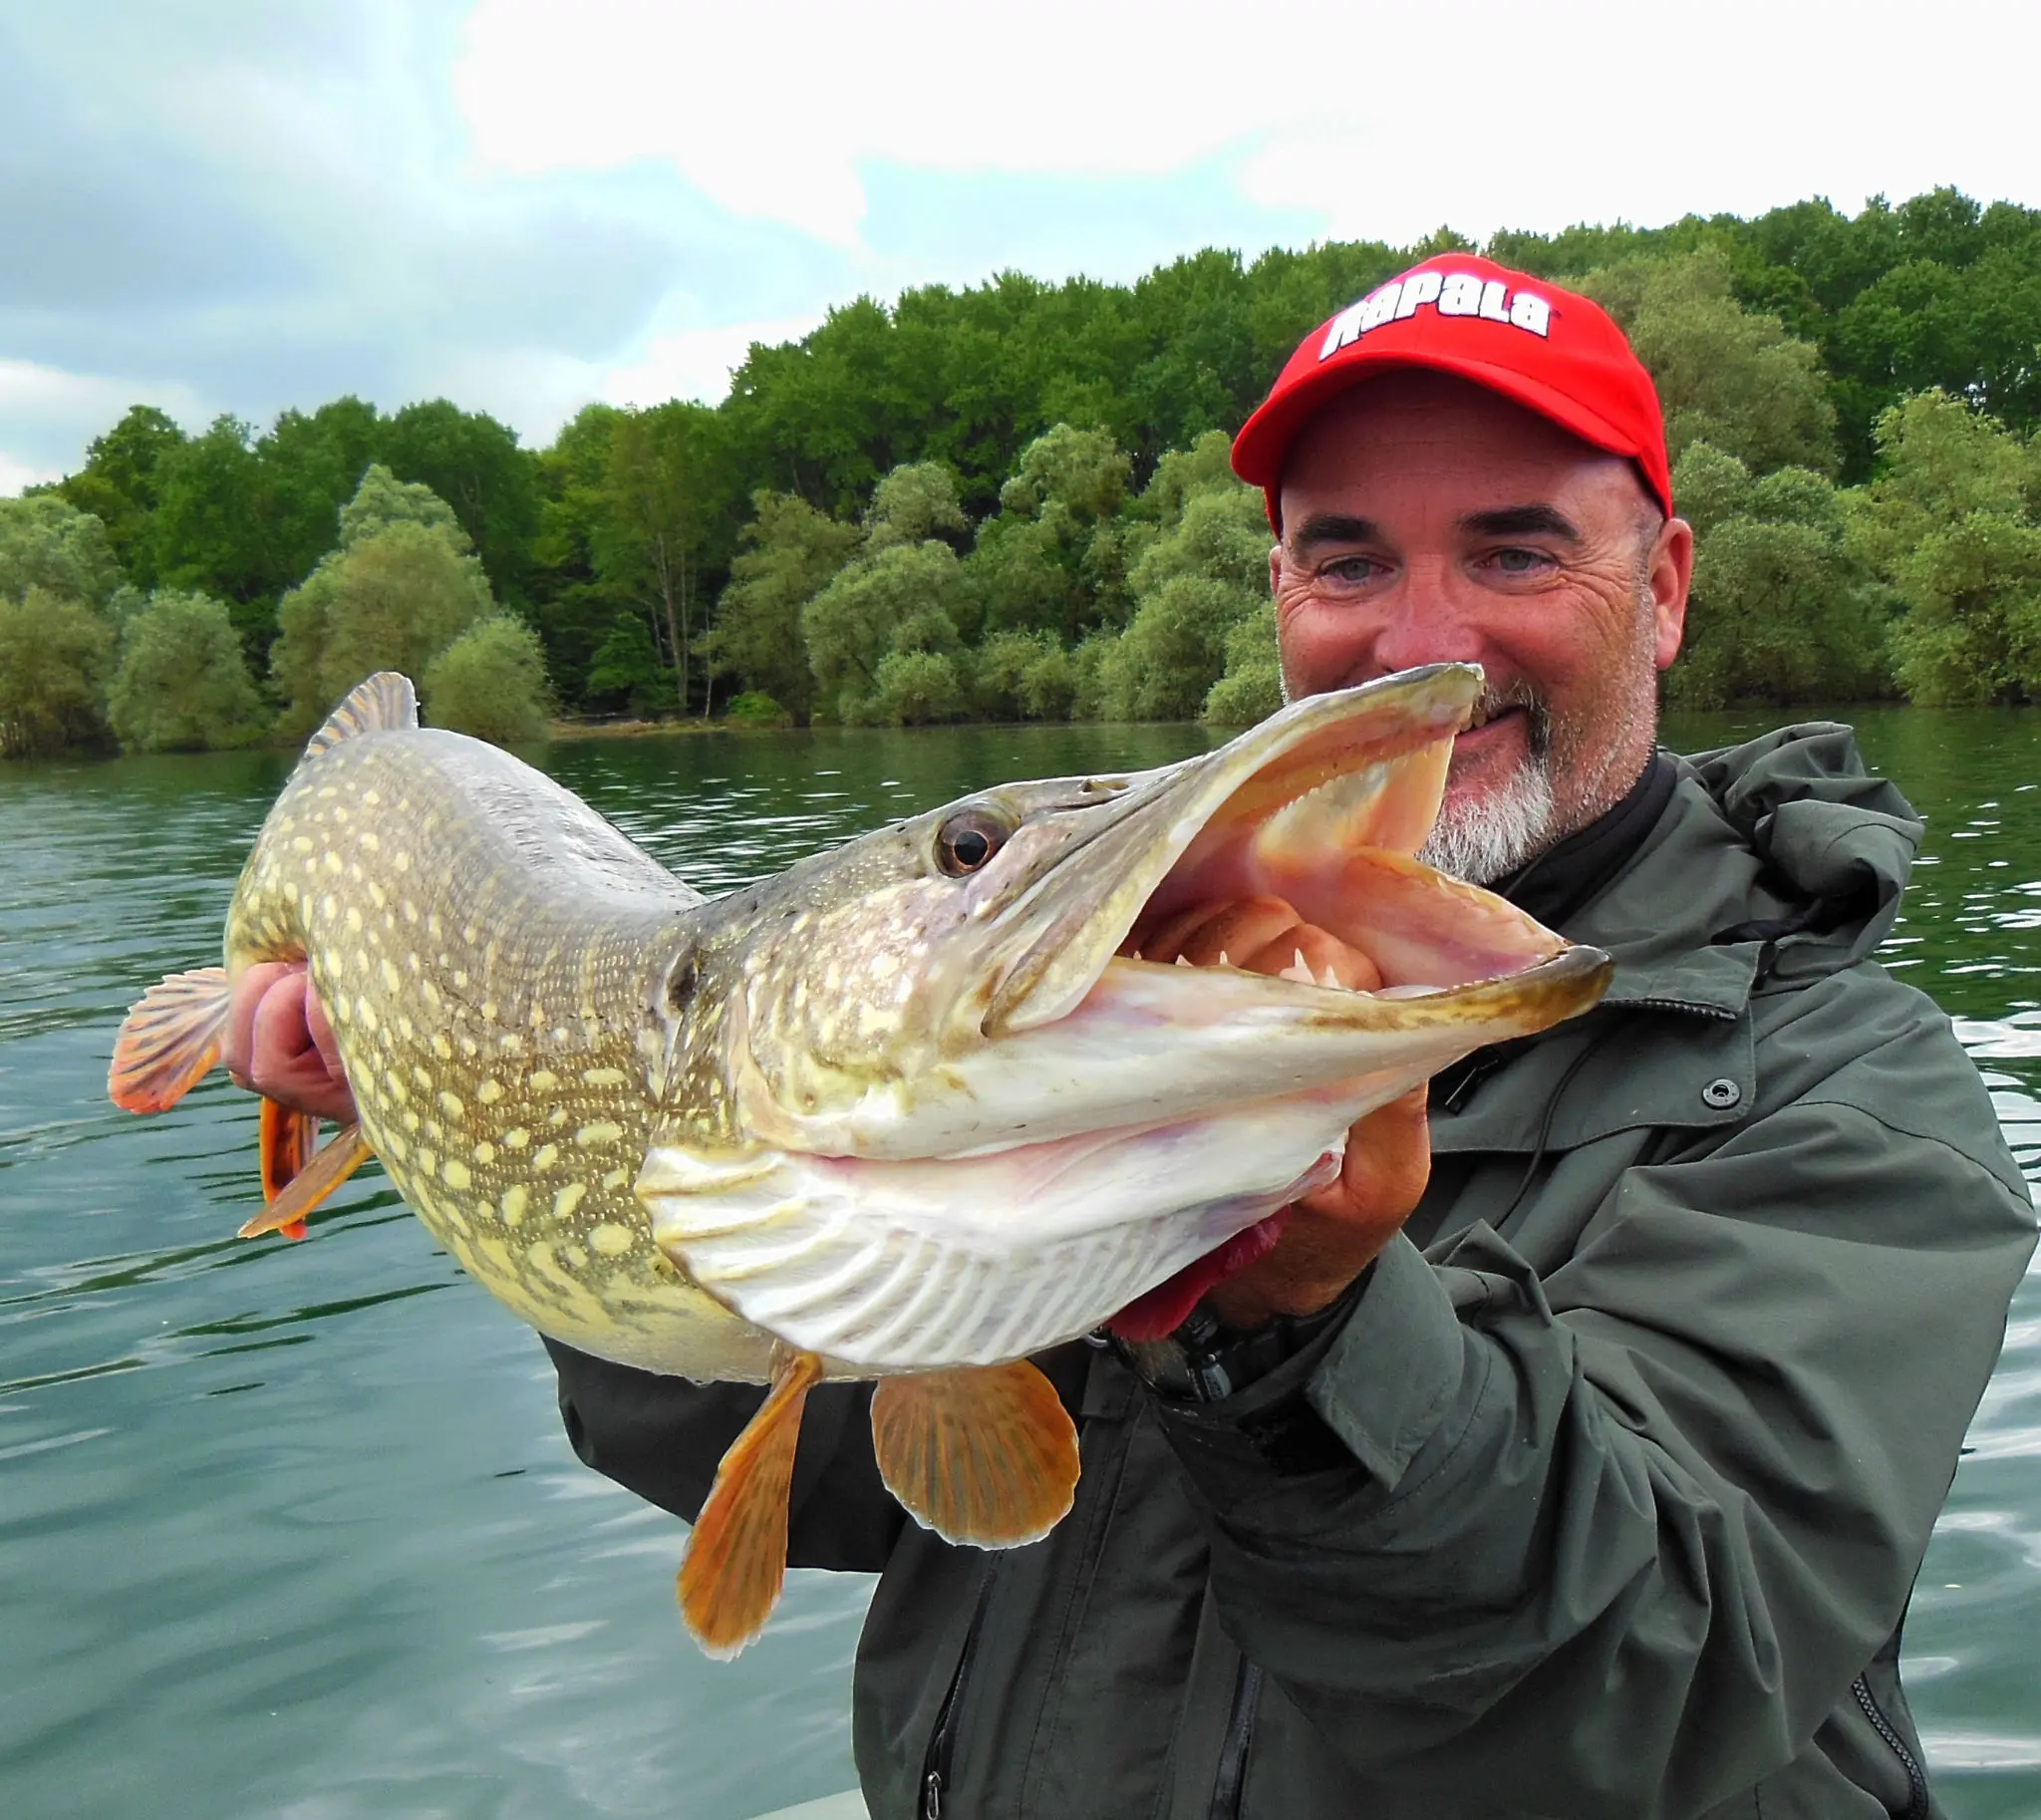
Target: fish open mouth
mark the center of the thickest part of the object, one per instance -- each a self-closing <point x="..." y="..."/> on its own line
<point x="1325" y="806"/>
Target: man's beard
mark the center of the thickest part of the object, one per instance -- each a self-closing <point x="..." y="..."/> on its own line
<point x="1484" y="840"/>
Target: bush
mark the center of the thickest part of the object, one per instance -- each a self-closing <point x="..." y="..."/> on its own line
<point x="54" y="659"/>
<point x="755" y="708"/>
<point x="916" y="687"/>
<point x="489" y="683"/>
<point x="182" y="684"/>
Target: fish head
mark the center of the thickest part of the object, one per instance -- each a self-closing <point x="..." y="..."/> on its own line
<point x="946" y="1025"/>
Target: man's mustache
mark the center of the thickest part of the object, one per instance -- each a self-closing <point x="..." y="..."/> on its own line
<point x="1518" y="694"/>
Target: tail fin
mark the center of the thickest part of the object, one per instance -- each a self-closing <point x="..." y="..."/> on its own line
<point x="168" y="1040"/>
<point x="385" y="702"/>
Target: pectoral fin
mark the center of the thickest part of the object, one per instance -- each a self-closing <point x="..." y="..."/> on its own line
<point x="737" y="1557"/>
<point x="168" y="1040"/>
<point x="311" y="1184"/>
<point x="985" y="1455"/>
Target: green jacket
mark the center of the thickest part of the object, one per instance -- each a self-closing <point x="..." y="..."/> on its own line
<point x="1625" y="1455"/>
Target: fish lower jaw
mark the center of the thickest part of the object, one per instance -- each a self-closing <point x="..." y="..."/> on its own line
<point x="940" y="1263"/>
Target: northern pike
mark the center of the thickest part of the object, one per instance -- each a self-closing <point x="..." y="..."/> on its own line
<point x="904" y="1111"/>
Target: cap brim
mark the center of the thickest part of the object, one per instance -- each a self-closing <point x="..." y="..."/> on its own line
<point x="1264" y="442"/>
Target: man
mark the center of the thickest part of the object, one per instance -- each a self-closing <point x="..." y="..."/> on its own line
<point x="1578" y="1460"/>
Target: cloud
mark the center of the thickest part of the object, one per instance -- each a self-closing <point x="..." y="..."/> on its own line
<point x="523" y="204"/>
<point x="1381" y="121"/>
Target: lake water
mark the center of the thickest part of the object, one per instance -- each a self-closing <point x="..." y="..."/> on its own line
<point x="292" y="1529"/>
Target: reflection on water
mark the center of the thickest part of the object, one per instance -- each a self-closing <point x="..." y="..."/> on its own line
<point x="289" y="1530"/>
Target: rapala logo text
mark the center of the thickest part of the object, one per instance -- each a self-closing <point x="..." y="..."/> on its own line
<point x="1449" y="293"/>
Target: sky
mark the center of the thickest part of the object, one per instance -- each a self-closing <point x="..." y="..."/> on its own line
<point x="242" y="205"/>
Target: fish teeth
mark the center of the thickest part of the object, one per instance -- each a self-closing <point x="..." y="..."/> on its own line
<point x="1300" y="971"/>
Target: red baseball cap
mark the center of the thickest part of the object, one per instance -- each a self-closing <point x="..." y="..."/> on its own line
<point x="1551" y="350"/>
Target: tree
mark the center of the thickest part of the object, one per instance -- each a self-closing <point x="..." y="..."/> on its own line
<point x="903" y="599"/>
<point x="1052" y="558"/>
<point x="1953" y="520"/>
<point x="491" y="683"/>
<point x="625" y="670"/>
<point x="46" y="543"/>
<point x="647" y="544"/>
<point x="182" y="684"/>
<point x="472" y="463"/>
<point x="399" y="587"/>
<point x="54" y="658"/>
<point x="1725" y="375"/>
<point x="1781" y="609"/>
<point x="1252" y="688"/>
<point x="118" y="483"/>
<point x="1205" y="569"/>
<point x="789" y="554"/>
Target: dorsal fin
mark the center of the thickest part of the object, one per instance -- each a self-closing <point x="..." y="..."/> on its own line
<point x="386" y="703"/>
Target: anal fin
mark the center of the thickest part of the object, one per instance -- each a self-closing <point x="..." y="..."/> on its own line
<point x="737" y="1557"/>
<point x="985" y="1455"/>
<point x="311" y="1184"/>
<point x="168" y="1040"/>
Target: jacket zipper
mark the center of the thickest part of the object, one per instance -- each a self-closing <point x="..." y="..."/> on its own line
<point x="1230" y="1782"/>
<point x="935" y="1764"/>
<point x="1916" y="1807"/>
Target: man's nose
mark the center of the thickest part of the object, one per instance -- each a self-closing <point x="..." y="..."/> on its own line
<point x="1428" y="624"/>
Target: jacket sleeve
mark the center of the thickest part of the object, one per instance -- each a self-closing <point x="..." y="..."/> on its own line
<point x="663" y="1438"/>
<point x="1639" y="1522"/>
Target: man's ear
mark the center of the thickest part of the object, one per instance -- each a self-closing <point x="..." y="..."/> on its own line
<point x="1671" y="574"/>
<point x="1275" y="565"/>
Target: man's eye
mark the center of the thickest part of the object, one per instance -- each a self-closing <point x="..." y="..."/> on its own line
<point x="1349" y="571"/>
<point x="1519" y="562"/>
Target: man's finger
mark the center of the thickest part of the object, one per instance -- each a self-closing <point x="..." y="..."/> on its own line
<point x="237" y="1041"/>
<point x="1387" y="1166"/>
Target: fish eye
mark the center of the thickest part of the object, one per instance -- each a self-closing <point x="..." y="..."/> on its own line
<point x="966" y="842"/>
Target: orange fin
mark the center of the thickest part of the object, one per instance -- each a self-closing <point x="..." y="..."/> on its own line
<point x="348" y="1151"/>
<point x="288" y="1141"/>
<point x="737" y="1557"/>
<point x="168" y="1040"/>
<point x="985" y="1455"/>
<point x="385" y="702"/>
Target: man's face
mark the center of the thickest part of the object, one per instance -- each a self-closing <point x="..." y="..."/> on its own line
<point x="1425" y="520"/>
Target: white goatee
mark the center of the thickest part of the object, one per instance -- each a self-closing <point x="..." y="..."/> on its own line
<point x="1486" y="839"/>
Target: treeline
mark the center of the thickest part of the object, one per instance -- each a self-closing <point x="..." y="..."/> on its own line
<point x="1012" y="499"/>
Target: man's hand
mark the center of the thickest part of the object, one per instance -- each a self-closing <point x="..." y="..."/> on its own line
<point x="279" y="1043"/>
<point x="1328" y="1238"/>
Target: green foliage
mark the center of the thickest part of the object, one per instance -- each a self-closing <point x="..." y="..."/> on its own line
<point x="754" y="708"/>
<point x="791" y="553"/>
<point x="1781" y="610"/>
<point x="1204" y="571"/>
<point x="55" y="654"/>
<point x="490" y="682"/>
<point x="1049" y="436"/>
<point x="1952" y="521"/>
<point x="1052" y="557"/>
<point x="1726" y="375"/>
<point x="396" y="591"/>
<point x="182" y="684"/>
<point x="46" y="543"/>
<point x="118" y="483"/>
<point x="1252" y="688"/>
<point x="625" y="671"/>
<point x="914" y="688"/>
